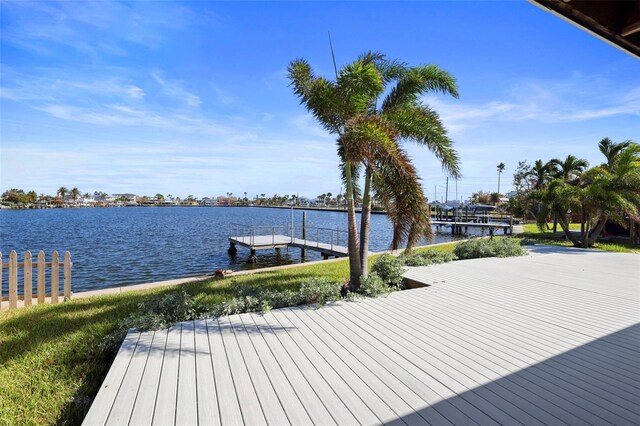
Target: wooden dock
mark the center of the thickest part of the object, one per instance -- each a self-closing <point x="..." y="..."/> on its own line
<point x="273" y="237"/>
<point x="549" y="338"/>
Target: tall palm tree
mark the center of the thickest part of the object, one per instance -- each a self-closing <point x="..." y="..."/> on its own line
<point x="501" y="167"/>
<point x="373" y="106"/>
<point x="611" y="150"/>
<point x="62" y="191"/>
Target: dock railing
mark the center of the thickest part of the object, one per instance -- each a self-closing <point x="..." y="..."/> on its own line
<point x="27" y="265"/>
<point x="321" y="233"/>
<point x="238" y="230"/>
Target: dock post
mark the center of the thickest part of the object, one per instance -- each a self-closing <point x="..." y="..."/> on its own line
<point x="253" y="258"/>
<point x="232" y="249"/>
<point x="304" y="234"/>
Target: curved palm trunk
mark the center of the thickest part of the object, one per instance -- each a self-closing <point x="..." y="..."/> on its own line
<point x="567" y="232"/>
<point x="597" y="230"/>
<point x="355" y="271"/>
<point x="365" y="223"/>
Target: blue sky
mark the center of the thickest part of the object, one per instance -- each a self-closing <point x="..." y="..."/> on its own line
<point x="192" y="97"/>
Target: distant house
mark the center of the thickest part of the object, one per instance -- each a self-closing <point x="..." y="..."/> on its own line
<point x="123" y="199"/>
<point x="206" y="201"/>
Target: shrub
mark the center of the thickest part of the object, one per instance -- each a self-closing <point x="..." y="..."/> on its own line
<point x="496" y="247"/>
<point x="374" y="286"/>
<point x="320" y="291"/>
<point x="427" y="257"/>
<point x="389" y="269"/>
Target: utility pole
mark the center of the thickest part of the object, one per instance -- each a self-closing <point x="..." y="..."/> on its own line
<point x="446" y="194"/>
<point x="456" y="189"/>
<point x="435" y="192"/>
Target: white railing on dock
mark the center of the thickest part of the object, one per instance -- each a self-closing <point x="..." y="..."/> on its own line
<point x="252" y="231"/>
<point x="27" y="278"/>
<point x="321" y="233"/>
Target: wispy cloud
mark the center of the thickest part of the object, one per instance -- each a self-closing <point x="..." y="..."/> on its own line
<point x="564" y="101"/>
<point x="174" y="88"/>
<point x="92" y="28"/>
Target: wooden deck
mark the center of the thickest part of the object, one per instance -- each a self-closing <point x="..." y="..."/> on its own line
<point x="549" y="338"/>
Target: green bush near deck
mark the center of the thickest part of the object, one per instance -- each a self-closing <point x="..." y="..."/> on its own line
<point x="390" y="269"/>
<point x="495" y="247"/>
<point x="426" y="258"/>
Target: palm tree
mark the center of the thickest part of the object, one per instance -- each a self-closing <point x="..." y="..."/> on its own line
<point x="568" y="169"/>
<point x="541" y="173"/>
<point x="75" y="193"/>
<point x="62" y="191"/>
<point x="373" y="106"/>
<point x="599" y="195"/>
<point x="611" y="150"/>
<point x="159" y="198"/>
<point x="500" y="170"/>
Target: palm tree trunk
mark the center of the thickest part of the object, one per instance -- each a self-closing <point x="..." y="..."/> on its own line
<point x="355" y="271"/>
<point x="585" y="232"/>
<point x="567" y="232"/>
<point x="365" y="223"/>
<point x="597" y="230"/>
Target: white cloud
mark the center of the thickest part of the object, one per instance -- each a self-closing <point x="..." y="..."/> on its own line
<point x="534" y="103"/>
<point x="174" y="89"/>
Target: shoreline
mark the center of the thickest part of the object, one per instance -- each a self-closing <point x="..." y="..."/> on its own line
<point x="187" y="280"/>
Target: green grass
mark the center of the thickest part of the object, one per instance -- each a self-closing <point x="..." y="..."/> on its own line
<point x="51" y="363"/>
<point x="547" y="237"/>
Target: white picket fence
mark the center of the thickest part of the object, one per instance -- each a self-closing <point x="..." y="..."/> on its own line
<point x="28" y="264"/>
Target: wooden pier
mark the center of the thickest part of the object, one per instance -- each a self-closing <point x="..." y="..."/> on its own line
<point x="327" y="241"/>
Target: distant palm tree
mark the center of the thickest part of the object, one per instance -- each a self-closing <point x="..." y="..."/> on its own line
<point x="541" y="173"/>
<point x="500" y="170"/>
<point x="62" y="191"/>
<point x="75" y="193"/>
<point x="159" y="199"/>
<point x="611" y="150"/>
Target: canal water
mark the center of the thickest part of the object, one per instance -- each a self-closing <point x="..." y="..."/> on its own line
<point x="131" y="245"/>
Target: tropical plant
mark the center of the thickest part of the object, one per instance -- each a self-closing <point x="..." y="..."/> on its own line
<point x="495" y="247"/>
<point x="371" y="107"/>
<point x="541" y="173"/>
<point x="611" y="150"/>
<point x="75" y="194"/>
<point x="568" y="169"/>
<point x="599" y="195"/>
<point x="62" y="191"/>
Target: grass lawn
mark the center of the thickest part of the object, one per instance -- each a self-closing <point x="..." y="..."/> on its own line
<point x="546" y="237"/>
<point x="51" y="361"/>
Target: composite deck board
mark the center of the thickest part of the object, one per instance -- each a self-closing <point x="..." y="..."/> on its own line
<point x="624" y="379"/>
<point x="166" y="399"/>
<point x="504" y="355"/>
<point x="548" y="338"/>
<point x="146" y="394"/>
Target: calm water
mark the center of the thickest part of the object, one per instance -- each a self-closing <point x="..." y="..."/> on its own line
<point x="121" y="246"/>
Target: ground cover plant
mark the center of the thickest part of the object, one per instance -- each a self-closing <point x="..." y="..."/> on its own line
<point x="495" y="247"/>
